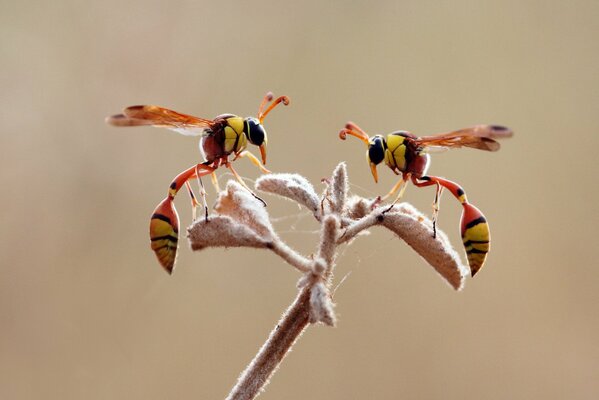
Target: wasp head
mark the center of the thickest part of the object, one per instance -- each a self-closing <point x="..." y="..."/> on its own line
<point x="256" y="135"/>
<point x="375" y="154"/>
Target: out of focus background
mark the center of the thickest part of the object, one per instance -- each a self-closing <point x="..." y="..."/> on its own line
<point x="87" y="312"/>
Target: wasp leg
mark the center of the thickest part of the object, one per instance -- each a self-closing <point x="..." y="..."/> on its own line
<point x="254" y="161"/>
<point x="190" y="173"/>
<point x="194" y="201"/>
<point x="403" y="184"/>
<point x="228" y="165"/>
<point x="436" y="207"/>
<point x="164" y="223"/>
<point x="474" y="227"/>
<point x="202" y="192"/>
<point x="214" y="179"/>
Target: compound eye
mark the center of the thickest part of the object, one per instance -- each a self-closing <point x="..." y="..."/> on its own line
<point x="376" y="151"/>
<point x="255" y="132"/>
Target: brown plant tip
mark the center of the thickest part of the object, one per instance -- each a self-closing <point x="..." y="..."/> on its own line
<point x="292" y="186"/>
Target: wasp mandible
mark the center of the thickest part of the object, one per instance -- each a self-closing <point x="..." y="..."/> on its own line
<point x="407" y="155"/>
<point x="225" y="135"/>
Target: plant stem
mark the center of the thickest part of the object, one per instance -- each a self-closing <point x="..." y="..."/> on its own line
<point x="283" y="336"/>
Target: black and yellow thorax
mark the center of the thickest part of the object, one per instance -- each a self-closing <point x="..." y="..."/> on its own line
<point x="226" y="137"/>
<point x="403" y="154"/>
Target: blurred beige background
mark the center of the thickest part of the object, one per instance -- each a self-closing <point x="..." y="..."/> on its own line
<point x="86" y="311"/>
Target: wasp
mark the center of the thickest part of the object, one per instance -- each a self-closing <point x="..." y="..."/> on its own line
<point x="408" y="155"/>
<point x="224" y="136"/>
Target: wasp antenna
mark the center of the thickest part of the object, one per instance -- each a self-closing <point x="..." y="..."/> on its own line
<point x="359" y="133"/>
<point x="281" y="99"/>
<point x="352" y="126"/>
<point x="267" y="99"/>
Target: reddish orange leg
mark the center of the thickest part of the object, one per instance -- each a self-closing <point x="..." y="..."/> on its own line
<point x="436" y="207"/>
<point x="194" y="202"/>
<point x="202" y="191"/>
<point x="474" y="227"/>
<point x="403" y="184"/>
<point x="236" y="175"/>
<point x="214" y="179"/>
<point x="254" y="160"/>
<point x="164" y="224"/>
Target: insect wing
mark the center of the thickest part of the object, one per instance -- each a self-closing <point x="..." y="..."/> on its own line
<point x="149" y="115"/>
<point x="123" y="120"/>
<point x="480" y="137"/>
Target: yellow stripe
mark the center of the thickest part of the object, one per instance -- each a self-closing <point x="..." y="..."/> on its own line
<point x="230" y="139"/>
<point x="478" y="232"/>
<point x="236" y="123"/>
<point x="242" y="143"/>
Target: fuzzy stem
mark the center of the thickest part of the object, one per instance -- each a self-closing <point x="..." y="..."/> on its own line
<point x="257" y="374"/>
<point x="291" y="256"/>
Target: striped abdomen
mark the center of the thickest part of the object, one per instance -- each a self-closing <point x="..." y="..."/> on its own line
<point x="476" y="237"/>
<point x="164" y="233"/>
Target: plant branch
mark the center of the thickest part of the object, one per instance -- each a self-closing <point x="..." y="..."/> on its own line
<point x="281" y="339"/>
<point x="242" y="221"/>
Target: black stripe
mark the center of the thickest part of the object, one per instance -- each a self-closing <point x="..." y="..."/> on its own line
<point x="173" y="185"/>
<point x="474" y="222"/>
<point x="162" y="247"/>
<point x="236" y="139"/>
<point x="162" y="218"/>
<point x="171" y="238"/>
<point x="460" y="191"/>
<point x="165" y="219"/>
<point x="469" y="242"/>
<point x="476" y="251"/>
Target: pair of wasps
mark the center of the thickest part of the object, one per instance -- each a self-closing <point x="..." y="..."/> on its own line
<point x="227" y="135"/>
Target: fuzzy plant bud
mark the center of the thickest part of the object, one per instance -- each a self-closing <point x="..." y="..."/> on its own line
<point x="242" y="206"/>
<point x="321" y="305"/>
<point x="339" y="188"/>
<point x="292" y="186"/>
<point x="223" y="231"/>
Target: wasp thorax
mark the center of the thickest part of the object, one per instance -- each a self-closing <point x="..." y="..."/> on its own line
<point x="255" y="131"/>
<point x="376" y="150"/>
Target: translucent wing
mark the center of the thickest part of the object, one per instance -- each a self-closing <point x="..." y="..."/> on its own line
<point x="149" y="115"/>
<point x="480" y="137"/>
